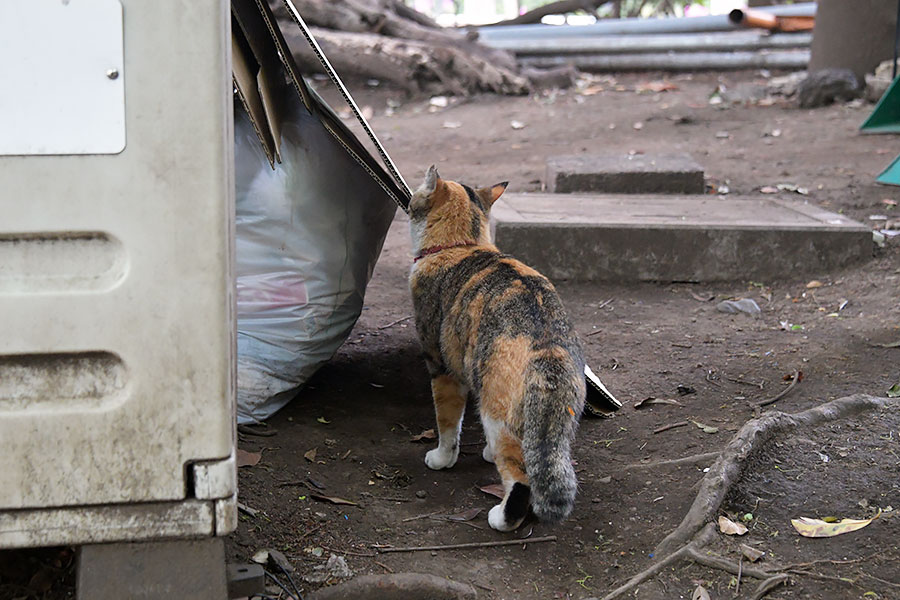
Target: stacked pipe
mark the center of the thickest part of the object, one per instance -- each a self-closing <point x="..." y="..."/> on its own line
<point x="712" y="42"/>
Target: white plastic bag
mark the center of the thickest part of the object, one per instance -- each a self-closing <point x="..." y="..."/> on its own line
<point x="308" y="235"/>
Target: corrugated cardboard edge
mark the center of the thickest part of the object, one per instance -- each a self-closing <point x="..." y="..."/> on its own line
<point x="248" y="93"/>
<point x="599" y="401"/>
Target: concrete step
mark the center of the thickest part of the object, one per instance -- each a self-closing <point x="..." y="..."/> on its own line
<point x="675" y="238"/>
<point x="625" y="174"/>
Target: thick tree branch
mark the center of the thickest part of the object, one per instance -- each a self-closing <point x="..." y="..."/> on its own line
<point x="560" y="7"/>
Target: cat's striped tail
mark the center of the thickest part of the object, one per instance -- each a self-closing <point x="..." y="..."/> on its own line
<point x="553" y="402"/>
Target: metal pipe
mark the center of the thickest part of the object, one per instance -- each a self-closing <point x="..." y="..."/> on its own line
<point x="634" y="25"/>
<point x="679" y="42"/>
<point x="689" y="61"/>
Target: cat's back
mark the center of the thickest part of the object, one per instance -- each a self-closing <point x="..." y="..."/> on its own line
<point x="486" y="294"/>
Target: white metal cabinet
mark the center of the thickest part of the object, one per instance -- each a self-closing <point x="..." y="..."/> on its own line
<point x="116" y="302"/>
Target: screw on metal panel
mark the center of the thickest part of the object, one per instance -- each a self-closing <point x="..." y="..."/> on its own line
<point x="113" y="73"/>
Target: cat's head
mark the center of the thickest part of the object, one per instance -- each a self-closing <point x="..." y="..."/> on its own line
<point x="442" y="212"/>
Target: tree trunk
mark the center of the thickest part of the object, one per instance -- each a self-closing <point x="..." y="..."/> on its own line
<point x="413" y="65"/>
<point x="375" y="39"/>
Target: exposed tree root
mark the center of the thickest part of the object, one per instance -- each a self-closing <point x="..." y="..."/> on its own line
<point x="728" y="566"/>
<point x="768" y="585"/>
<point x="727" y="469"/>
<point x="398" y="586"/>
<point x="685" y="543"/>
<point x="701" y="540"/>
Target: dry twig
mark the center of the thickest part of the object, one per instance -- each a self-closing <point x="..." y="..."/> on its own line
<point x="546" y="538"/>
<point x="670" y="426"/>
<point x="392" y="323"/>
<point x="676" y="462"/>
<point x="795" y="379"/>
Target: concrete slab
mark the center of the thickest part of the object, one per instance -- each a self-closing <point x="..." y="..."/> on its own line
<point x="185" y="569"/>
<point x="625" y="174"/>
<point x="674" y="238"/>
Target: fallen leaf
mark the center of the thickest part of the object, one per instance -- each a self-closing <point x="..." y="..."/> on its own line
<point x="281" y="561"/>
<point x="261" y="557"/>
<point x="323" y="420"/>
<point x="815" y="283"/>
<point x="591" y="90"/>
<point x="651" y="400"/>
<point x="310" y="455"/>
<point x="494" y="489"/>
<point x="792" y="187"/>
<point x="332" y="499"/>
<point x="729" y="527"/>
<point x="655" y="86"/>
<point x="894" y="392"/>
<point x="700" y="593"/>
<point x="428" y="434"/>
<point x="751" y="553"/>
<point x="705" y="298"/>
<point x="247" y="459"/>
<point x="817" y="528"/>
<point x="706" y="428"/>
<point x="247" y="510"/>
<point x="467" y="515"/>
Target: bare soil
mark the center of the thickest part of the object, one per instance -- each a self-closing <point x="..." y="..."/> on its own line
<point x="361" y="410"/>
<point x="643" y="340"/>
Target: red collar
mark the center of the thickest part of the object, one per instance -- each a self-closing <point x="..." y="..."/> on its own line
<point x="436" y="249"/>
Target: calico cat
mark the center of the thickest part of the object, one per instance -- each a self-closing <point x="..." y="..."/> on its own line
<point x="494" y="328"/>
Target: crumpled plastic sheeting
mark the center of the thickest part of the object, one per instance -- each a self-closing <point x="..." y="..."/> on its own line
<point x="308" y="235"/>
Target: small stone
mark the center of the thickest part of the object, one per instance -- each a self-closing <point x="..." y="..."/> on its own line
<point x="421" y="494"/>
<point x="828" y="86"/>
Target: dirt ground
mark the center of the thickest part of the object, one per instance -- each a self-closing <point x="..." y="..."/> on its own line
<point x="643" y="340"/>
<point x="360" y="412"/>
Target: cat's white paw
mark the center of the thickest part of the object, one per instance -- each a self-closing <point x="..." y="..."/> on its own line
<point x="487" y="454"/>
<point x="497" y="521"/>
<point x="438" y="459"/>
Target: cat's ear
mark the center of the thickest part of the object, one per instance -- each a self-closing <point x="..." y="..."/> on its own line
<point x="432" y="178"/>
<point x="490" y="194"/>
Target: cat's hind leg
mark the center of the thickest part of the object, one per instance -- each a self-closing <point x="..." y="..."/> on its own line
<point x="449" y="406"/>
<point x="510" y="513"/>
<point x="492" y="428"/>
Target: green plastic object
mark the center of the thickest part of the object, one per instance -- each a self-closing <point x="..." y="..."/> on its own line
<point x="886" y="116"/>
<point x="891" y="175"/>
